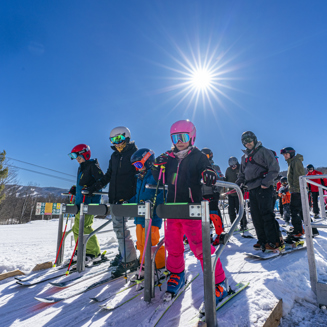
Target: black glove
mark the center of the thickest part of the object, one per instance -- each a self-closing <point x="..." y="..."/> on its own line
<point x="72" y="190"/>
<point x="161" y="160"/>
<point x="209" y="177"/>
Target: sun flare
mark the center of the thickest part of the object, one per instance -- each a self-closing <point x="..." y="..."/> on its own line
<point x="201" y="79"/>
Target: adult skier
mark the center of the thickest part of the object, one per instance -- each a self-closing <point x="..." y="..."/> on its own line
<point x="259" y="168"/>
<point x="233" y="204"/>
<point x="185" y="166"/>
<point x="314" y="189"/>
<point x="89" y="172"/>
<point x="295" y="170"/>
<point x="212" y="194"/>
<point x="122" y="187"/>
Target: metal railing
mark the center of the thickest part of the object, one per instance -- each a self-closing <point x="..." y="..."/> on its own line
<point x="320" y="289"/>
<point x="200" y="211"/>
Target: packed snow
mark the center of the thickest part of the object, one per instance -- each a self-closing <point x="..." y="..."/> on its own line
<point x="286" y="277"/>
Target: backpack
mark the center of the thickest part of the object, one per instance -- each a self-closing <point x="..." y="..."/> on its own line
<point x="252" y="161"/>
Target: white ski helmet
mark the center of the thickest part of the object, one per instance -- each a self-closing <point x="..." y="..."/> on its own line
<point x="121" y="130"/>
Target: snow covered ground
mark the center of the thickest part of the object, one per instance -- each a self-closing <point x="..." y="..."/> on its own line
<point x="286" y="277"/>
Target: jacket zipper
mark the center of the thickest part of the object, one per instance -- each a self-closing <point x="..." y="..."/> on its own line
<point x="176" y="180"/>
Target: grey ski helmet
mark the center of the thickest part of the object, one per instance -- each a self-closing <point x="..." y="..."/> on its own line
<point x="248" y="137"/>
<point x="232" y="161"/>
<point x="120" y="131"/>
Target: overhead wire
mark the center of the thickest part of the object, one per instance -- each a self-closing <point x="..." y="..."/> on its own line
<point x="39" y="166"/>
<point x="37" y="172"/>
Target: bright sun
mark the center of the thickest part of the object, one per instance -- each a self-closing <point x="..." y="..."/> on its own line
<point x="201" y="79"/>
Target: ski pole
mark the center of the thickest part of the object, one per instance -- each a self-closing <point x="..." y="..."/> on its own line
<point x="62" y="238"/>
<point x="125" y="277"/>
<point x="150" y="225"/>
<point x="71" y="259"/>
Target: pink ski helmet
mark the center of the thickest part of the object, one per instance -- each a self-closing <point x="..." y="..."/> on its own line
<point x="184" y="126"/>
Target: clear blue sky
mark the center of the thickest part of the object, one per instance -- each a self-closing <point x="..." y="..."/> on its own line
<point x="70" y="71"/>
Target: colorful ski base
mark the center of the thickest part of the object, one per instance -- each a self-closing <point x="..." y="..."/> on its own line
<point x="160" y="311"/>
<point x="289" y="248"/>
<point x="79" y="289"/>
<point x="78" y="278"/>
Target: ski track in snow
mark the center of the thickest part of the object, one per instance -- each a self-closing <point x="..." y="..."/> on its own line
<point x="286" y="277"/>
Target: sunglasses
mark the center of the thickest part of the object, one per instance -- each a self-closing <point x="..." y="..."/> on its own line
<point x="247" y="140"/>
<point x="117" y="139"/>
<point x="183" y="137"/>
<point x="140" y="164"/>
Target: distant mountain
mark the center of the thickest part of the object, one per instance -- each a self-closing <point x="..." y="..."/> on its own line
<point x="22" y="191"/>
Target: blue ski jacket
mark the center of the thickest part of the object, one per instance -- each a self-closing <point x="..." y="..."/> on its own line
<point x="143" y="194"/>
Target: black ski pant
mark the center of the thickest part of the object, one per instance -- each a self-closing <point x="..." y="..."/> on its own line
<point x="265" y="224"/>
<point x="315" y="202"/>
<point x="233" y="206"/>
<point x="297" y="214"/>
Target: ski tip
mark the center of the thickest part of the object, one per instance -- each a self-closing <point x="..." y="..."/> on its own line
<point x="40" y="299"/>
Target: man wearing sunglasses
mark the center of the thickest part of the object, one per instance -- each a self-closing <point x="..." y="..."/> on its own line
<point x="259" y="167"/>
<point x="122" y="178"/>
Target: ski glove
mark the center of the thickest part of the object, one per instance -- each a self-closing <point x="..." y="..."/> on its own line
<point x="72" y="190"/>
<point x="209" y="177"/>
<point x="161" y="160"/>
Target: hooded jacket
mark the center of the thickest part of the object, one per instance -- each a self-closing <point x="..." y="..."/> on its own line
<point x="262" y="173"/>
<point x="143" y="194"/>
<point x="89" y="172"/>
<point x="121" y="175"/>
<point x="323" y="181"/>
<point x="183" y="177"/>
<point x="295" y="170"/>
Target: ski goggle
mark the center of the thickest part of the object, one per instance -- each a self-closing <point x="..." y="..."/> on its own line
<point x="117" y="139"/>
<point x="74" y="155"/>
<point x="183" y="137"/>
<point x="140" y="164"/>
<point x="247" y="140"/>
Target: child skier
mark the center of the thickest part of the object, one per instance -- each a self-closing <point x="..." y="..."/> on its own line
<point x="142" y="160"/>
<point x="89" y="172"/>
<point x="185" y="165"/>
<point x="285" y="195"/>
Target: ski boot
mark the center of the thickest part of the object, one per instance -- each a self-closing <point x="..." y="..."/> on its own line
<point x="274" y="247"/>
<point x="122" y="267"/>
<point x="75" y="256"/>
<point x="174" y="284"/>
<point x="117" y="260"/>
<point x="138" y="276"/>
<point x="221" y="290"/>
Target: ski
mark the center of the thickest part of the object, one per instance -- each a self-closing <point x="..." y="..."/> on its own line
<point x="231" y="294"/>
<point x="162" y="308"/>
<point x="79" y="288"/>
<point x="289" y="248"/>
<point x="80" y="277"/>
<point x="48" y="275"/>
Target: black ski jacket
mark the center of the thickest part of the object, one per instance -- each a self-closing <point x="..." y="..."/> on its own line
<point x="121" y="175"/>
<point x="184" y="177"/>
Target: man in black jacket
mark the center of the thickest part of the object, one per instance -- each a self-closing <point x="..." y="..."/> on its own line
<point x="121" y="175"/>
<point x="258" y="170"/>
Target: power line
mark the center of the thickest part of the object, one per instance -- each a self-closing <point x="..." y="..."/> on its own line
<point x="37" y="172"/>
<point x="39" y="166"/>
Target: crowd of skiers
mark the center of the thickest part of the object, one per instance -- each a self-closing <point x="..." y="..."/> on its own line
<point x="190" y="175"/>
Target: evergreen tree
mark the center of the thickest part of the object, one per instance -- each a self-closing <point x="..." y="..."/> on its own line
<point x="3" y="175"/>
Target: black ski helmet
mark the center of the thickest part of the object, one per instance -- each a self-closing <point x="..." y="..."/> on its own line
<point x="141" y="154"/>
<point x="232" y="161"/>
<point x="283" y="179"/>
<point x="249" y="137"/>
<point x="310" y="167"/>
<point x="207" y="152"/>
<point x="289" y="150"/>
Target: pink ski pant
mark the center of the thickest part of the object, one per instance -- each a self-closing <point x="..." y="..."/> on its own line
<point x="176" y="229"/>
